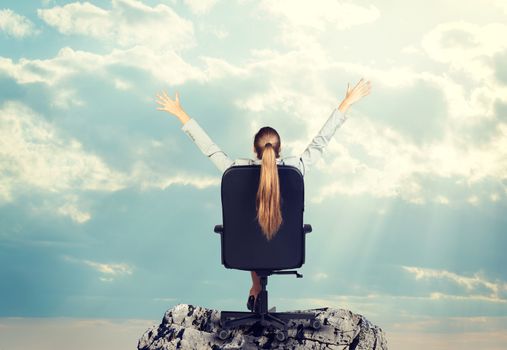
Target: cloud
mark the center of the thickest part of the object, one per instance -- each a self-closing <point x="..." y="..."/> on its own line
<point x="441" y="199"/>
<point x="320" y="276"/>
<point x="395" y="164"/>
<point x="200" y="6"/>
<point x="147" y="179"/>
<point x="386" y="173"/>
<point x="128" y="23"/>
<point x="109" y="271"/>
<point x="65" y="203"/>
<point x="38" y="158"/>
<point x="301" y="22"/>
<point x="319" y="14"/>
<point x="168" y="67"/>
<point x="477" y="287"/>
<point x="464" y="46"/>
<point x="36" y="155"/>
<point x="71" y="209"/>
<point x="16" y="25"/>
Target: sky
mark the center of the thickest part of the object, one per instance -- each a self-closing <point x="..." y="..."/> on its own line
<point x="107" y="208"/>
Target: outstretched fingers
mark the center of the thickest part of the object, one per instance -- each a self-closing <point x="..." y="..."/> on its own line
<point x="359" y="83"/>
<point x="162" y="103"/>
<point x="161" y="98"/>
<point x="365" y="89"/>
<point x="363" y="85"/>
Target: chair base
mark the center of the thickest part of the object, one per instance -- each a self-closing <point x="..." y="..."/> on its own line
<point x="279" y="320"/>
<point x="231" y="319"/>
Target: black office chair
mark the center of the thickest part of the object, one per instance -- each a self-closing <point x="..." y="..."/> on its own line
<point x="244" y="246"/>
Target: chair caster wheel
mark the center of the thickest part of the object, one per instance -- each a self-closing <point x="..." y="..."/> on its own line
<point x="315" y="324"/>
<point x="223" y="334"/>
<point x="281" y="336"/>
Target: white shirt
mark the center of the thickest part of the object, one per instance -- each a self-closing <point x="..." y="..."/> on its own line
<point x="303" y="162"/>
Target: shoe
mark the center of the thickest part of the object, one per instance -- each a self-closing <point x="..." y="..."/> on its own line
<point x="250" y="303"/>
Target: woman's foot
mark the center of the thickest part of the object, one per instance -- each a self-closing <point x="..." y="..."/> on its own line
<point x="252" y="297"/>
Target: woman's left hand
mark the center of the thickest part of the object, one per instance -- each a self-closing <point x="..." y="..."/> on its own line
<point x="353" y="95"/>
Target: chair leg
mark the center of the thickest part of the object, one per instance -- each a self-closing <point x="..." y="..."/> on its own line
<point x="240" y="321"/>
<point x="279" y="323"/>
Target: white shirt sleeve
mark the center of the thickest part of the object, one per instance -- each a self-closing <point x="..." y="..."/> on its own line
<point x="206" y="145"/>
<point x="314" y="151"/>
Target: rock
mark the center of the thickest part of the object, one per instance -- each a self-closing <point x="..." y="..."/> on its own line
<point x="194" y="327"/>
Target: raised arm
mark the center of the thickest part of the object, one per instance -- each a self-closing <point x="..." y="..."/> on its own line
<point x="314" y="151"/>
<point x="194" y="131"/>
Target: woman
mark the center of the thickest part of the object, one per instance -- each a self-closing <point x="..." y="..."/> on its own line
<point x="267" y="147"/>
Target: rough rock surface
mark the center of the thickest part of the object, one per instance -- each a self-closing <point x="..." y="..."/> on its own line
<point x="194" y="327"/>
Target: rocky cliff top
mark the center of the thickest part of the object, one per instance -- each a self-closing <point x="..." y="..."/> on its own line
<point x="194" y="327"/>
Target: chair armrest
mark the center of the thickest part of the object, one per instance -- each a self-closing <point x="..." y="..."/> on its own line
<point x="219" y="229"/>
<point x="307" y="228"/>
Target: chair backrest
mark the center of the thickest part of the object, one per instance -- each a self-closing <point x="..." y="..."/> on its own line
<point x="244" y="246"/>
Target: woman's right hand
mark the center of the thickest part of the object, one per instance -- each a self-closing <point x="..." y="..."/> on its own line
<point x="172" y="106"/>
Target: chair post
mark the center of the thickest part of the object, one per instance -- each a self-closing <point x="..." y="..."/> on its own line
<point x="263" y="306"/>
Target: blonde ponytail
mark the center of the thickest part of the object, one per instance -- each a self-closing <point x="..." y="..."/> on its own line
<point x="269" y="214"/>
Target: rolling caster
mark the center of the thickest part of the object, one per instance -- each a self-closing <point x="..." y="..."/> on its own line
<point x="315" y="324"/>
<point x="223" y="334"/>
<point x="281" y="336"/>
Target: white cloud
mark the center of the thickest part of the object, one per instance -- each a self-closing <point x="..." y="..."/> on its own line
<point x="52" y="71"/>
<point x="148" y="179"/>
<point x="81" y="18"/>
<point x="220" y="33"/>
<point x="395" y="169"/>
<point x="71" y="209"/>
<point x="168" y="67"/>
<point x="318" y="14"/>
<point x="200" y="6"/>
<point x="501" y="4"/>
<point x="36" y="156"/>
<point x="494" y="197"/>
<point x="320" y="276"/>
<point x="476" y="286"/>
<point x="473" y="200"/>
<point x="16" y="25"/>
<point x="108" y="271"/>
<point x="302" y="21"/>
<point x="441" y="199"/>
<point x="443" y="296"/>
<point x="464" y="46"/>
<point x="128" y="23"/>
<point x="66" y="98"/>
<point x="396" y="161"/>
<point x="68" y="204"/>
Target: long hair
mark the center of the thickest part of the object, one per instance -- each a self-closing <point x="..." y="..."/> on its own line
<point x="269" y="214"/>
